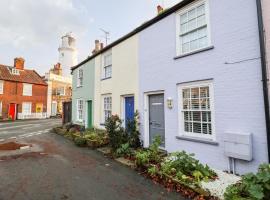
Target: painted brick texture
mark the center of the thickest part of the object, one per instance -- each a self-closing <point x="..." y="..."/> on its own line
<point x="13" y="93"/>
<point x="238" y="96"/>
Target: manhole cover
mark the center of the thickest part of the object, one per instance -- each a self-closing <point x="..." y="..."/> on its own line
<point x="12" y="146"/>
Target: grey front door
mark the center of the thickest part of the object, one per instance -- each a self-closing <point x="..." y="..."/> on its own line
<point x="156" y="117"/>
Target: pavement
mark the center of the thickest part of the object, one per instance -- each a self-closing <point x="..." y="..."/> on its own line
<point x="58" y="170"/>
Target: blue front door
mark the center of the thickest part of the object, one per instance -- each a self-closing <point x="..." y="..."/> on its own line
<point x="129" y="109"/>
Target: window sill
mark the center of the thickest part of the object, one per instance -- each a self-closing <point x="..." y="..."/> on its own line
<point x="194" y="52"/>
<point x="199" y="140"/>
<point x="105" y="78"/>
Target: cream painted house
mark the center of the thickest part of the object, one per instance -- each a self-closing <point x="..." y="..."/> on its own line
<point x="116" y="82"/>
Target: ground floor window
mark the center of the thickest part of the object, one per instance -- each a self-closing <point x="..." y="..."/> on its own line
<point x="79" y="109"/>
<point x="27" y="108"/>
<point x="107" y="107"/>
<point x="196" y="109"/>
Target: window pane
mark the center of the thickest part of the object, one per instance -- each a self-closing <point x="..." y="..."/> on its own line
<point x="192" y="14"/>
<point x="201" y="10"/>
<point x="195" y="93"/>
<point x="188" y="127"/>
<point x="192" y="24"/>
<point x="202" y="42"/>
<point x="184" y="28"/>
<point x="195" y="105"/>
<point x="202" y="32"/>
<point x="183" y="18"/>
<point x="186" y="93"/>
<point x="193" y="45"/>
<point x="204" y="92"/>
<point x="187" y="116"/>
<point x="205" y="128"/>
<point x="201" y="21"/>
<point x="197" y="128"/>
<point x="196" y="116"/>
<point x="205" y="104"/>
<point x="185" y="48"/>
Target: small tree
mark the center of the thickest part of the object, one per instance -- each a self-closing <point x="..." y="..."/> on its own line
<point x="132" y="130"/>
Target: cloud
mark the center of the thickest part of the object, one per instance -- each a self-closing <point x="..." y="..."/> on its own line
<point x="30" y="23"/>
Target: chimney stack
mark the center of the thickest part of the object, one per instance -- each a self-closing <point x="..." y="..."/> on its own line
<point x="98" y="47"/>
<point x="159" y="9"/>
<point x="19" y="63"/>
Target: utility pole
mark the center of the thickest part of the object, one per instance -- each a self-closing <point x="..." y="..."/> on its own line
<point x="106" y="35"/>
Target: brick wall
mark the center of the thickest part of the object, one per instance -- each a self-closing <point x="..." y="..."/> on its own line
<point x="13" y="93"/>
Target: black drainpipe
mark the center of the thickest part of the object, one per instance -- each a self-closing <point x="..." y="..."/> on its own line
<point x="264" y="73"/>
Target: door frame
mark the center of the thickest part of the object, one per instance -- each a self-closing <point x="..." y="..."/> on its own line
<point x="123" y="107"/>
<point x="146" y="136"/>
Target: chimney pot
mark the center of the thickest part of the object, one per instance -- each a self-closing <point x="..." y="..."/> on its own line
<point x="159" y="9"/>
<point x="19" y="63"/>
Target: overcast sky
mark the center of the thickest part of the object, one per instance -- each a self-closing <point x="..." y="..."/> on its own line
<point x="33" y="28"/>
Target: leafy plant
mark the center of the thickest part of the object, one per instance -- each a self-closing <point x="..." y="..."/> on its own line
<point x="80" y="141"/>
<point x="155" y="155"/>
<point x="116" y="132"/>
<point x="124" y="150"/>
<point x="152" y="171"/>
<point x="252" y="186"/>
<point x="186" y="168"/>
<point x="142" y="158"/>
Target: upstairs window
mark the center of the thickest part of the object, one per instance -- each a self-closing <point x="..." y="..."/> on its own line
<point x="15" y="71"/>
<point x="27" y="89"/>
<point x="107" y="65"/>
<point x="80" y="78"/>
<point x="192" y="26"/>
<point x="60" y="91"/>
<point x="196" y="106"/>
<point x="1" y="87"/>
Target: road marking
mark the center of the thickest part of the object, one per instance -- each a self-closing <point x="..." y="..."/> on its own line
<point x="13" y="127"/>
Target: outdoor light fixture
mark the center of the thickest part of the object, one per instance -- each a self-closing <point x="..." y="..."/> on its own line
<point x="170" y="102"/>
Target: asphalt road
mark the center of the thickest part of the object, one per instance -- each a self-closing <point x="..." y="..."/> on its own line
<point x="63" y="171"/>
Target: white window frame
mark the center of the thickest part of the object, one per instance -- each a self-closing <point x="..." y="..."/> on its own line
<point x="178" y="28"/>
<point x="15" y="71"/>
<point x="105" y="74"/>
<point x="207" y="83"/>
<point x="108" y="109"/>
<point x="1" y="108"/>
<point x="29" y="110"/>
<point x="80" y="77"/>
<point x="60" y="90"/>
<point x="1" y="87"/>
<point x="80" y="111"/>
<point x="27" y="89"/>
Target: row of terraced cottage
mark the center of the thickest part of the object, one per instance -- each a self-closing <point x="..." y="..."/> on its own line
<point x="196" y="73"/>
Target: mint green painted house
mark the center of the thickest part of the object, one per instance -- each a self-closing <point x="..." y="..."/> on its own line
<point x="83" y="80"/>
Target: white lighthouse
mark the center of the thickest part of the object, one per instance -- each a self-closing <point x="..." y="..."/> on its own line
<point x="67" y="53"/>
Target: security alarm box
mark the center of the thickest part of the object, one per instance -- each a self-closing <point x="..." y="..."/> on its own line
<point x="238" y="145"/>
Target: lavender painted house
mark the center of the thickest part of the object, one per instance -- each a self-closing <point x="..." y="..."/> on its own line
<point x="200" y="83"/>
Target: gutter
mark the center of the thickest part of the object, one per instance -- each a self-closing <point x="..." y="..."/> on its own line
<point x="264" y="73"/>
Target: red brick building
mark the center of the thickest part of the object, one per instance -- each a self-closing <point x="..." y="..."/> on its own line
<point x="23" y="93"/>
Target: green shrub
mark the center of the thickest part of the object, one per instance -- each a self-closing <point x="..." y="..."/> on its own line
<point x="150" y="155"/>
<point x="80" y="141"/>
<point x="116" y="132"/>
<point x="252" y="186"/>
<point x="124" y="150"/>
<point x="186" y="168"/>
<point x="142" y="158"/>
<point x="132" y="130"/>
